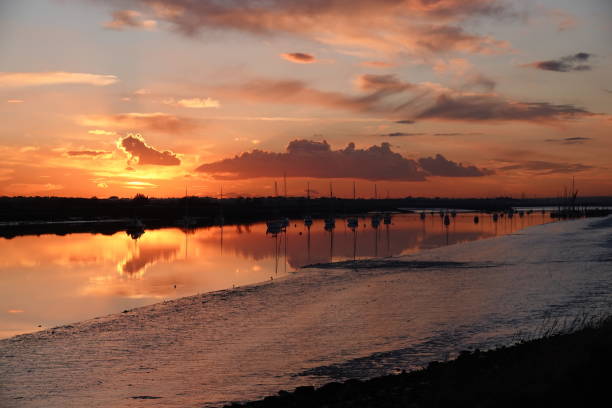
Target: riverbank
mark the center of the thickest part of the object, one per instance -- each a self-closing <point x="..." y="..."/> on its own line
<point x="558" y="370"/>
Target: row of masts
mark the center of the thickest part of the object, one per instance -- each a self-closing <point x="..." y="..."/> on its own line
<point x="280" y="224"/>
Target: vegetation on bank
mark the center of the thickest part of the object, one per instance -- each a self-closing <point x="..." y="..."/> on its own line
<point x="564" y="368"/>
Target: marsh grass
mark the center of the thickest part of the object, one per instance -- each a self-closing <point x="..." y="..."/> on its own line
<point x="552" y="326"/>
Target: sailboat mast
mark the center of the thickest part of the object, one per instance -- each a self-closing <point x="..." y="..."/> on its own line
<point x="285" y="183"/>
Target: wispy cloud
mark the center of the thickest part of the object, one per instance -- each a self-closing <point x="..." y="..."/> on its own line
<point x="100" y="132"/>
<point x="576" y="62"/>
<point x="391" y="26"/>
<point x="90" y="153"/>
<point x="194" y="103"/>
<point x="19" y="79"/>
<point x="563" y="19"/>
<point x="570" y="140"/>
<point x="401" y="134"/>
<point x="487" y="107"/>
<point x="139" y="185"/>
<point x="546" y="167"/>
<point x="136" y="122"/>
<point x="123" y="19"/>
<point x="377" y="64"/>
<point x="299" y="57"/>
<point x="405" y="102"/>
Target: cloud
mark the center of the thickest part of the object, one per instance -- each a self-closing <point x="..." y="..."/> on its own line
<point x="401" y="134"/>
<point x="393" y="26"/>
<point x="194" y="103"/>
<point x="405" y="102"/>
<point x="405" y="122"/>
<point x="19" y="79"/>
<point x="440" y="166"/>
<point x="479" y="81"/>
<point x="158" y="122"/>
<point x="292" y="92"/>
<point x="100" y="132"/>
<point x="487" y="107"/>
<point x="91" y="153"/>
<point x="140" y="152"/>
<point x="458" y="134"/>
<point x="299" y="57"/>
<point x="463" y="71"/>
<point x="576" y="62"/>
<point x="390" y="82"/>
<point x="570" y="140"/>
<point x="563" y="19"/>
<point x="15" y="101"/>
<point x="546" y="168"/>
<point x="306" y="158"/>
<point x="377" y="64"/>
<point x="123" y="19"/>
<point x="139" y="185"/>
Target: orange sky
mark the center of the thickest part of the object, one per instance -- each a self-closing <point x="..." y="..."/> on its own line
<point x="447" y="98"/>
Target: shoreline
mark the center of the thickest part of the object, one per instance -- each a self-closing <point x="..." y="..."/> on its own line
<point x="569" y="368"/>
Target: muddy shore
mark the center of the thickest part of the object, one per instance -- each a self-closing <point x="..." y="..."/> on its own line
<point x="562" y="369"/>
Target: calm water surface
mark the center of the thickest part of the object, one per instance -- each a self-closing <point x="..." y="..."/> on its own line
<point x="51" y="280"/>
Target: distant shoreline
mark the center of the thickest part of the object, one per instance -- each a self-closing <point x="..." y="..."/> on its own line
<point x="56" y="215"/>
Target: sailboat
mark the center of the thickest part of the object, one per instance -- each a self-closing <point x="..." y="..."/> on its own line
<point x="375" y="220"/>
<point x="308" y="218"/>
<point x="387" y="218"/>
<point x="186" y="221"/>
<point x="274" y="226"/>
<point x="330" y="220"/>
<point x="353" y="222"/>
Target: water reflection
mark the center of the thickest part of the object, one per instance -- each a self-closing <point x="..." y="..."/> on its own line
<point x="52" y="280"/>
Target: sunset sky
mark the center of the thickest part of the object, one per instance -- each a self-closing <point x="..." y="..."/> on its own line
<point x="420" y="97"/>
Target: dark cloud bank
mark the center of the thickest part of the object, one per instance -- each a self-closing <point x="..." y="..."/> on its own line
<point x="305" y="158"/>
